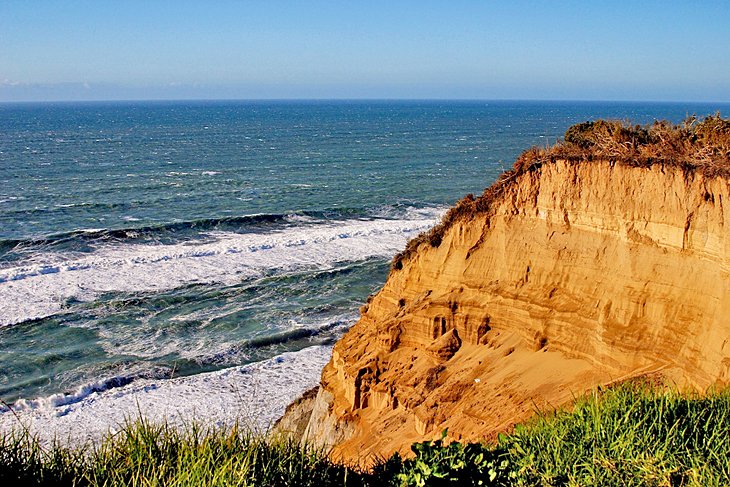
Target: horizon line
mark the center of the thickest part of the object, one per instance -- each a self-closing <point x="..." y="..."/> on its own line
<point x="356" y="99"/>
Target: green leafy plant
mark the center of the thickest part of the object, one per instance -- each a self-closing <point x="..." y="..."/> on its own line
<point x="440" y="464"/>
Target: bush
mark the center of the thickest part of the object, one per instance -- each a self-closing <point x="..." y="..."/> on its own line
<point x="436" y="464"/>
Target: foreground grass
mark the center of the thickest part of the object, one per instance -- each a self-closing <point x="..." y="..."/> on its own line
<point x="146" y="454"/>
<point x="632" y="435"/>
<point x="629" y="435"/>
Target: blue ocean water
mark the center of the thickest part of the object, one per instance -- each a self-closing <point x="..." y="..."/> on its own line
<point x="172" y="238"/>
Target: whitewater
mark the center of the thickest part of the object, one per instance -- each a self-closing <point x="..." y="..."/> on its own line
<point x="40" y="289"/>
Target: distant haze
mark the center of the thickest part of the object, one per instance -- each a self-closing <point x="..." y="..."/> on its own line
<point x="620" y="50"/>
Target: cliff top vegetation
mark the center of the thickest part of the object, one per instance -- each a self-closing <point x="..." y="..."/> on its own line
<point x="696" y="145"/>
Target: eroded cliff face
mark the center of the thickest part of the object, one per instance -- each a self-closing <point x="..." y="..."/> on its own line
<point x="584" y="274"/>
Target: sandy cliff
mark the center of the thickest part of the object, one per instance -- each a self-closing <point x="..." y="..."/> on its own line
<point x="579" y="274"/>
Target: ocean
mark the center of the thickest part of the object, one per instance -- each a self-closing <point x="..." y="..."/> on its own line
<point x="199" y="259"/>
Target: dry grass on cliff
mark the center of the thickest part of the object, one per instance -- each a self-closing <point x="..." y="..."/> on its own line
<point x="695" y="145"/>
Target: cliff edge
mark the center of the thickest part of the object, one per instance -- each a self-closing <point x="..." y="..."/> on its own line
<point x="588" y="263"/>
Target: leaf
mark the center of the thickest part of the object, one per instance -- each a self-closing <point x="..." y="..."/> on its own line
<point x="492" y="475"/>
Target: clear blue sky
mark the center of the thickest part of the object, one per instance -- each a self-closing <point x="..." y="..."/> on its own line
<point x="129" y="49"/>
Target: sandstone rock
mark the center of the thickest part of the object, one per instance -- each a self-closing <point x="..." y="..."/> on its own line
<point x="445" y="346"/>
<point x="297" y="415"/>
<point x="581" y="275"/>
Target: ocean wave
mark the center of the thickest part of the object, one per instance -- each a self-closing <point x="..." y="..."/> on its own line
<point x="227" y="257"/>
<point x="142" y="231"/>
<point x="154" y="232"/>
<point x="65" y="399"/>
<point x="248" y="350"/>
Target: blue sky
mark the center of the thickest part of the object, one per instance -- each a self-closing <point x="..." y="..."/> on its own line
<point x="128" y="49"/>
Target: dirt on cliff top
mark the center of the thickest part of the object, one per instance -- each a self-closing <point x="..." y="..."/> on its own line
<point x="694" y="145"/>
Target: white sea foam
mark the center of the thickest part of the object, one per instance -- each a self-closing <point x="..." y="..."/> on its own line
<point x="40" y="289"/>
<point x="254" y="395"/>
<point x="152" y="342"/>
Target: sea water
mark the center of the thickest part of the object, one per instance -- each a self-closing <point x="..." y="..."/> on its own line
<point x="156" y="254"/>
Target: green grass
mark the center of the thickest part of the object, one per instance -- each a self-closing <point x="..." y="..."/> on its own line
<point x="146" y="454"/>
<point x="632" y="434"/>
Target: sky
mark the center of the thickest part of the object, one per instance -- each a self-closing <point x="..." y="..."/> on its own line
<point x="451" y="49"/>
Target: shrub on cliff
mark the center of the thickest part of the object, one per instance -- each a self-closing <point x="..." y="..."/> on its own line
<point x="696" y="144"/>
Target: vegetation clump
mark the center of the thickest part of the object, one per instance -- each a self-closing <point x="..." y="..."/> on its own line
<point x="696" y="144"/>
<point x="146" y="454"/>
<point x="631" y="435"/>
